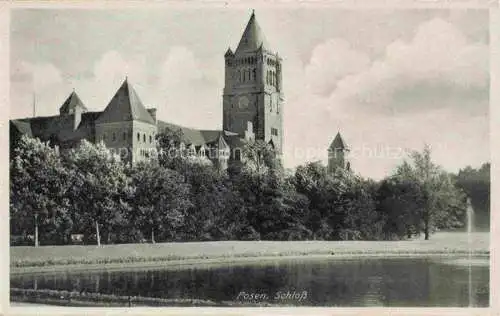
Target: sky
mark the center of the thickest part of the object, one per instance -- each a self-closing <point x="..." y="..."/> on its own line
<point x="389" y="81"/>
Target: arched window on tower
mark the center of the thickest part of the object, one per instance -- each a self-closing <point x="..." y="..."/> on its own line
<point x="254" y="71"/>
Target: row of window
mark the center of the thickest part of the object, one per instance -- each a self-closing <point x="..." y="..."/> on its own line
<point x="246" y="61"/>
<point x="246" y="75"/>
<point x="272" y="62"/>
<point x="128" y="135"/>
<point x="251" y="75"/>
<point x="274" y="131"/>
<point x="271" y="106"/>
<point x="252" y="60"/>
<point x="271" y="78"/>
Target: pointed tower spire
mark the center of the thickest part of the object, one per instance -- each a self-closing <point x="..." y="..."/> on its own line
<point x="125" y="106"/>
<point x="338" y="143"/>
<point x="252" y="37"/>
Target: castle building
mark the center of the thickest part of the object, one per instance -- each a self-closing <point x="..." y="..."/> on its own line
<point x="337" y="153"/>
<point x="252" y="109"/>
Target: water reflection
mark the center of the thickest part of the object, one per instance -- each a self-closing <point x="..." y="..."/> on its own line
<point x="373" y="282"/>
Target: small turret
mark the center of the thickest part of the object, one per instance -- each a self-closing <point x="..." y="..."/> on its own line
<point x="337" y="154"/>
<point x="73" y="106"/>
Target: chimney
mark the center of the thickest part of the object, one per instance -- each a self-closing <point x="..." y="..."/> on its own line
<point x="152" y="112"/>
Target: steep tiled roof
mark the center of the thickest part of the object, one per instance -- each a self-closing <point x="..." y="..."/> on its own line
<point x="195" y="136"/>
<point x="71" y="103"/>
<point x="22" y="127"/>
<point x="338" y="143"/>
<point x="58" y="127"/>
<point x="253" y="37"/>
<point x="125" y="106"/>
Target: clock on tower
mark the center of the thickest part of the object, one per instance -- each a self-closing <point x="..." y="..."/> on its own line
<point x="243" y="102"/>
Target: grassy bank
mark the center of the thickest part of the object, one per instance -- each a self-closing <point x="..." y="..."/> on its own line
<point x="22" y="258"/>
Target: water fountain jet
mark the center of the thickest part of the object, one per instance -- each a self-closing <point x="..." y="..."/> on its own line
<point x="470" y="227"/>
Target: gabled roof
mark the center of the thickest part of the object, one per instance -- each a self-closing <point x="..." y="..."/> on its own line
<point x="196" y="137"/>
<point x="253" y="38"/>
<point x="125" y="106"/>
<point x="71" y="103"/>
<point x="60" y="127"/>
<point x="338" y="143"/>
<point x="21" y="127"/>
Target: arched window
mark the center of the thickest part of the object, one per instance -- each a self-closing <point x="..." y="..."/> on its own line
<point x="150" y="139"/>
<point x="144" y="138"/>
<point x="138" y="137"/>
<point x="267" y="77"/>
<point x="254" y="74"/>
<point x="124" y="135"/>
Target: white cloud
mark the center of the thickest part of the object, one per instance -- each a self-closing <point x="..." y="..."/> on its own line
<point x="330" y="62"/>
<point x="43" y="81"/>
<point x="191" y="89"/>
<point x="108" y="73"/>
<point x="439" y="56"/>
<point x="433" y="85"/>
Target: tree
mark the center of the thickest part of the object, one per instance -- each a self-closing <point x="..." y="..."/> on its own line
<point x="398" y="202"/>
<point x="170" y="153"/>
<point x="440" y="204"/>
<point x="38" y="186"/>
<point x="160" y="202"/>
<point x="476" y="184"/>
<point x="98" y="189"/>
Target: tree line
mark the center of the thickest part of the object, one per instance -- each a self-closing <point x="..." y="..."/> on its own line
<point x="90" y="191"/>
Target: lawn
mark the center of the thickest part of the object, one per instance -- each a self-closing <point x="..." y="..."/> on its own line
<point x="443" y="243"/>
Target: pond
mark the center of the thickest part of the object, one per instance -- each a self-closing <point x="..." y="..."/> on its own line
<point x="402" y="282"/>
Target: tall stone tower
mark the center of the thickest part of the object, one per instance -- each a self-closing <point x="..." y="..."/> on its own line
<point x="337" y="153"/>
<point x="253" y="93"/>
